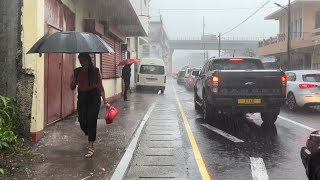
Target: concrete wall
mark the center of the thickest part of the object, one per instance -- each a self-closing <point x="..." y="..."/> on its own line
<point x="9" y="46"/>
<point x="15" y="81"/>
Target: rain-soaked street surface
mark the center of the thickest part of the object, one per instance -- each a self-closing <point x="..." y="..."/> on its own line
<point x="240" y="148"/>
<point x="171" y="135"/>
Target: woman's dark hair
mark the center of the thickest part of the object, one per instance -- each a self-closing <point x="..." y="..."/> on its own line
<point x="92" y="75"/>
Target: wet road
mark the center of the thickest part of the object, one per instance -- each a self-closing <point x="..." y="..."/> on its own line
<point x="240" y="148"/>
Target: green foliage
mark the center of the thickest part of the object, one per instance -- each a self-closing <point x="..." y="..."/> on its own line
<point x="8" y="113"/>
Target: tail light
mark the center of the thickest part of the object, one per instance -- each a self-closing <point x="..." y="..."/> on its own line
<point x="236" y="59"/>
<point x="138" y="78"/>
<point x="308" y="140"/>
<point x="215" y="79"/>
<point x="284" y="85"/>
<point x="307" y="86"/>
<point x="215" y="84"/>
<point x="165" y="79"/>
<point x="189" y="80"/>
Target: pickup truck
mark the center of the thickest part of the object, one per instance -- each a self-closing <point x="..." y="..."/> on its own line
<point x="238" y="86"/>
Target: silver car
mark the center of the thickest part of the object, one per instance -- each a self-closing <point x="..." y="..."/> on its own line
<point x="303" y="88"/>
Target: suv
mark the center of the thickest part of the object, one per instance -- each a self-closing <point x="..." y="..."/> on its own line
<point x="190" y="78"/>
<point x="180" y="78"/>
<point x="239" y="86"/>
<point x="303" y="88"/>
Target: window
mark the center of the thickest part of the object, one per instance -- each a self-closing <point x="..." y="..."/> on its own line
<point x="295" y="31"/>
<point x="311" y="78"/>
<point x="245" y="64"/>
<point x="300" y="27"/>
<point x="203" y="71"/>
<point x="317" y="19"/>
<point x="291" y="77"/>
<point x="151" y="69"/>
<point x="181" y="73"/>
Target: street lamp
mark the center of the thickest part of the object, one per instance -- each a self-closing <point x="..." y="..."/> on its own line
<point x="289" y="32"/>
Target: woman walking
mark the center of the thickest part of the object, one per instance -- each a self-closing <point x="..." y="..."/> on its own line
<point x="90" y="90"/>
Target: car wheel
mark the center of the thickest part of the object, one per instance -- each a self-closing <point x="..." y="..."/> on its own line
<point x="291" y="101"/>
<point x="316" y="174"/>
<point x="270" y="117"/>
<point x="209" y="112"/>
<point x="162" y="91"/>
<point x="197" y="107"/>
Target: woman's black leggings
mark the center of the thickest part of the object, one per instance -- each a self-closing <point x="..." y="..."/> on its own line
<point x="88" y="110"/>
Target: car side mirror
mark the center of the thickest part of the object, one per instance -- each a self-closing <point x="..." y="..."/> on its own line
<point x="195" y="73"/>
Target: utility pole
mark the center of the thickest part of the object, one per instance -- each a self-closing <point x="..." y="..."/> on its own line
<point x="289" y="35"/>
<point x="204" y="43"/>
<point x="219" y="43"/>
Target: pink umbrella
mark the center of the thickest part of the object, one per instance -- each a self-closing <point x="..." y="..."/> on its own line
<point x="128" y="61"/>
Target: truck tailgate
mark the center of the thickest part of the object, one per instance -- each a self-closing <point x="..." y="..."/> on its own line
<point x="250" y="83"/>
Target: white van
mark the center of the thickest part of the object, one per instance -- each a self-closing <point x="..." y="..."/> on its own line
<point x="151" y="73"/>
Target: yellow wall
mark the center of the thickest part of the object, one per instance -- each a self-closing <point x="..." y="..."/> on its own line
<point x="112" y="87"/>
<point x="33" y="29"/>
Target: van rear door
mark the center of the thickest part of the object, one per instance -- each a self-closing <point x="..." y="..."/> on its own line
<point x="152" y="75"/>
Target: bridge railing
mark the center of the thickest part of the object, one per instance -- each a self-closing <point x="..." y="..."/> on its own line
<point x="198" y="38"/>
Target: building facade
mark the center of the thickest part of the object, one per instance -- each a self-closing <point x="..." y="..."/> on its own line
<point x="158" y="43"/>
<point x="41" y="84"/>
<point x="304" y="33"/>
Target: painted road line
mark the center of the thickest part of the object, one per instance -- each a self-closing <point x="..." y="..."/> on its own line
<point x="296" y="123"/>
<point x="258" y="169"/>
<point x="126" y="158"/>
<point x="202" y="167"/>
<point x="222" y="133"/>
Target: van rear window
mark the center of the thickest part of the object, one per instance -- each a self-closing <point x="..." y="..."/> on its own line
<point x="151" y="69"/>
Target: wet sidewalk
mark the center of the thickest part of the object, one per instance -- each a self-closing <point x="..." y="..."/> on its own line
<point x="60" y="153"/>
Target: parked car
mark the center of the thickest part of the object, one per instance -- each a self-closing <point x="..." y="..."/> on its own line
<point x="303" y="88"/>
<point x="310" y="156"/>
<point x="180" y="78"/>
<point x="239" y="86"/>
<point x="190" y="79"/>
<point x="151" y="74"/>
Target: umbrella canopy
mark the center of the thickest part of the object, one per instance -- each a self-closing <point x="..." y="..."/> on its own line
<point x="128" y="61"/>
<point x="70" y="42"/>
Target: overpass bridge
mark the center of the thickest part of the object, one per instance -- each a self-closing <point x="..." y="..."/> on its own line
<point x="232" y="43"/>
<point x="226" y="43"/>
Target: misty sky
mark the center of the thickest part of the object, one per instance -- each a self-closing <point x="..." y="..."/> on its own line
<point x="189" y="23"/>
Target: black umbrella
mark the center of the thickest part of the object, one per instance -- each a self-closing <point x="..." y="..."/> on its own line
<point x="70" y="42"/>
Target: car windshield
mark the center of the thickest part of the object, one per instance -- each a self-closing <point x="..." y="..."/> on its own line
<point x="242" y="64"/>
<point x="311" y="78"/>
<point x="151" y="69"/>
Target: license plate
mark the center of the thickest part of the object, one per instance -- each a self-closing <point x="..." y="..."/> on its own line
<point x="249" y="101"/>
<point x="152" y="79"/>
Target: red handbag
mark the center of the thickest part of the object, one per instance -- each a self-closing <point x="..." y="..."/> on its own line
<point x="111" y="114"/>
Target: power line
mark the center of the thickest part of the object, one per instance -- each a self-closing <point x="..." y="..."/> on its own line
<point x="246" y="19"/>
<point x="220" y="9"/>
